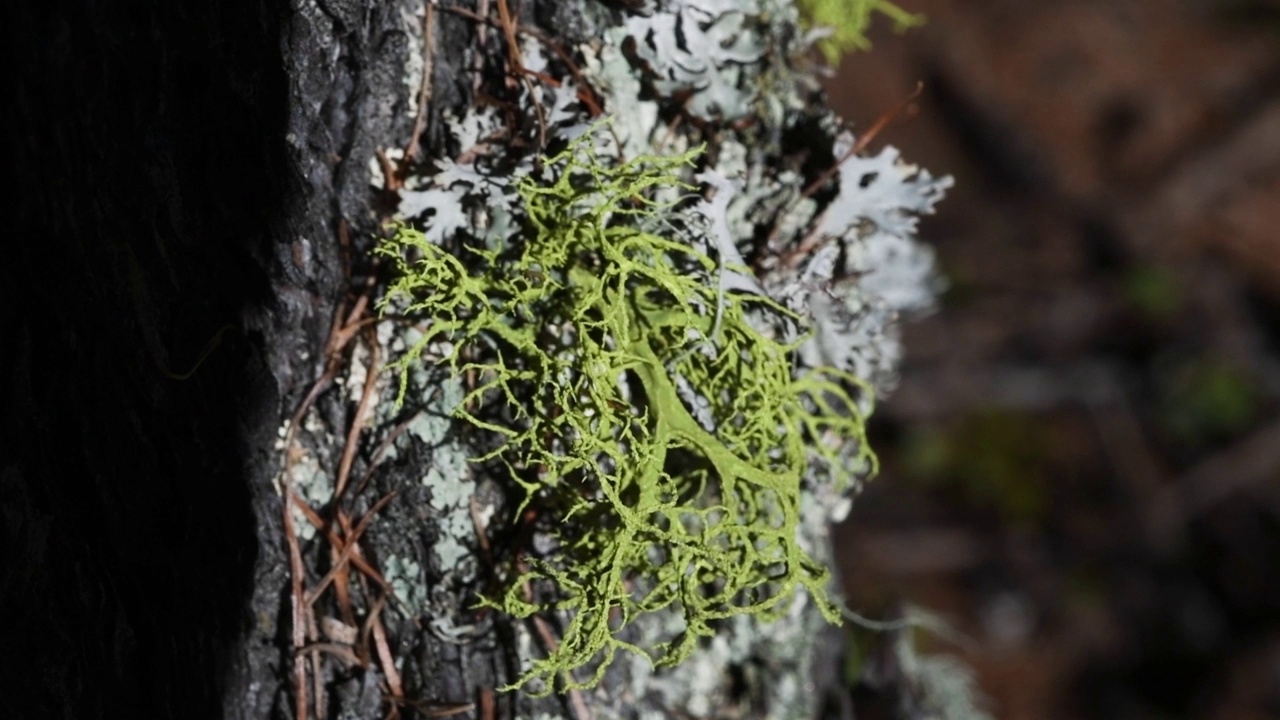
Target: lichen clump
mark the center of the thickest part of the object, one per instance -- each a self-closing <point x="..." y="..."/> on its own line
<point x="657" y="420"/>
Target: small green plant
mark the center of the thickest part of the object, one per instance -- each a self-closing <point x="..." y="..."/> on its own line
<point x="848" y="20"/>
<point x="593" y="340"/>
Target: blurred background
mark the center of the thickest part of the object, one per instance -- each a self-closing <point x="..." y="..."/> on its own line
<point x="1081" y="465"/>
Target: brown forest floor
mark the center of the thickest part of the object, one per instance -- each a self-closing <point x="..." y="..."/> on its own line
<point x="1082" y="462"/>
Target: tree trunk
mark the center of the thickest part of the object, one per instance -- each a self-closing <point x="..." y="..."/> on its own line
<point x="195" y="220"/>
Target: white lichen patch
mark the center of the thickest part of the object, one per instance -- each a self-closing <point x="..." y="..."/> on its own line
<point x="777" y="655"/>
<point x="869" y="267"/>
<point x="700" y="48"/>
<point x="612" y="75"/>
<point x="304" y="476"/>
<point x="451" y="487"/>
<point x="357" y="374"/>
<point x="448" y="475"/>
<point x="407" y="581"/>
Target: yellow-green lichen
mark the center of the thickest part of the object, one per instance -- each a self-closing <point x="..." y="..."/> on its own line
<point x="847" y="22"/>
<point x="578" y="338"/>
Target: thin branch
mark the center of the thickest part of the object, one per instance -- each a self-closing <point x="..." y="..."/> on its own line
<point x="357" y="423"/>
<point x="424" y="89"/>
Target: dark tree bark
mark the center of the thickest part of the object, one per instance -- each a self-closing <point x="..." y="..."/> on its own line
<point x="183" y="170"/>
<point x="153" y="191"/>
<point x="173" y="160"/>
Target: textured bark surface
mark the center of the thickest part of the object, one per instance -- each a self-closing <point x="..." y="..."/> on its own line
<point x="184" y="170"/>
<point x="188" y="172"/>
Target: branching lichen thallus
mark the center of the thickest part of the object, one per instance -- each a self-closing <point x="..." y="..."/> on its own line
<point x="595" y="333"/>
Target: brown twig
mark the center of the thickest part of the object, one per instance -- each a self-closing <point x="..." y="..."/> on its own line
<point x="381" y="451"/>
<point x="390" y="173"/>
<point x="368" y="393"/>
<point x="299" y="611"/>
<point x="384" y="649"/>
<point x="339" y="337"/>
<point x="488" y="707"/>
<point x="482" y="39"/>
<point x="508" y="27"/>
<point x="349" y="548"/>
<point x="296" y="609"/>
<point x="437" y="711"/>
<point x="317" y="684"/>
<point x="301" y="617"/>
<point x="341" y="580"/>
<point x="815" y="238"/>
<point x="586" y="93"/>
<point x="863" y="140"/>
<point x="424" y="89"/>
<point x="516" y="66"/>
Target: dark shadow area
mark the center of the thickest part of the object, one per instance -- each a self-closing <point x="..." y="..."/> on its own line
<point x="147" y="146"/>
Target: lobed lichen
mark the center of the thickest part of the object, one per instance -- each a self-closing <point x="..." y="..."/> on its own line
<point x="658" y="419"/>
